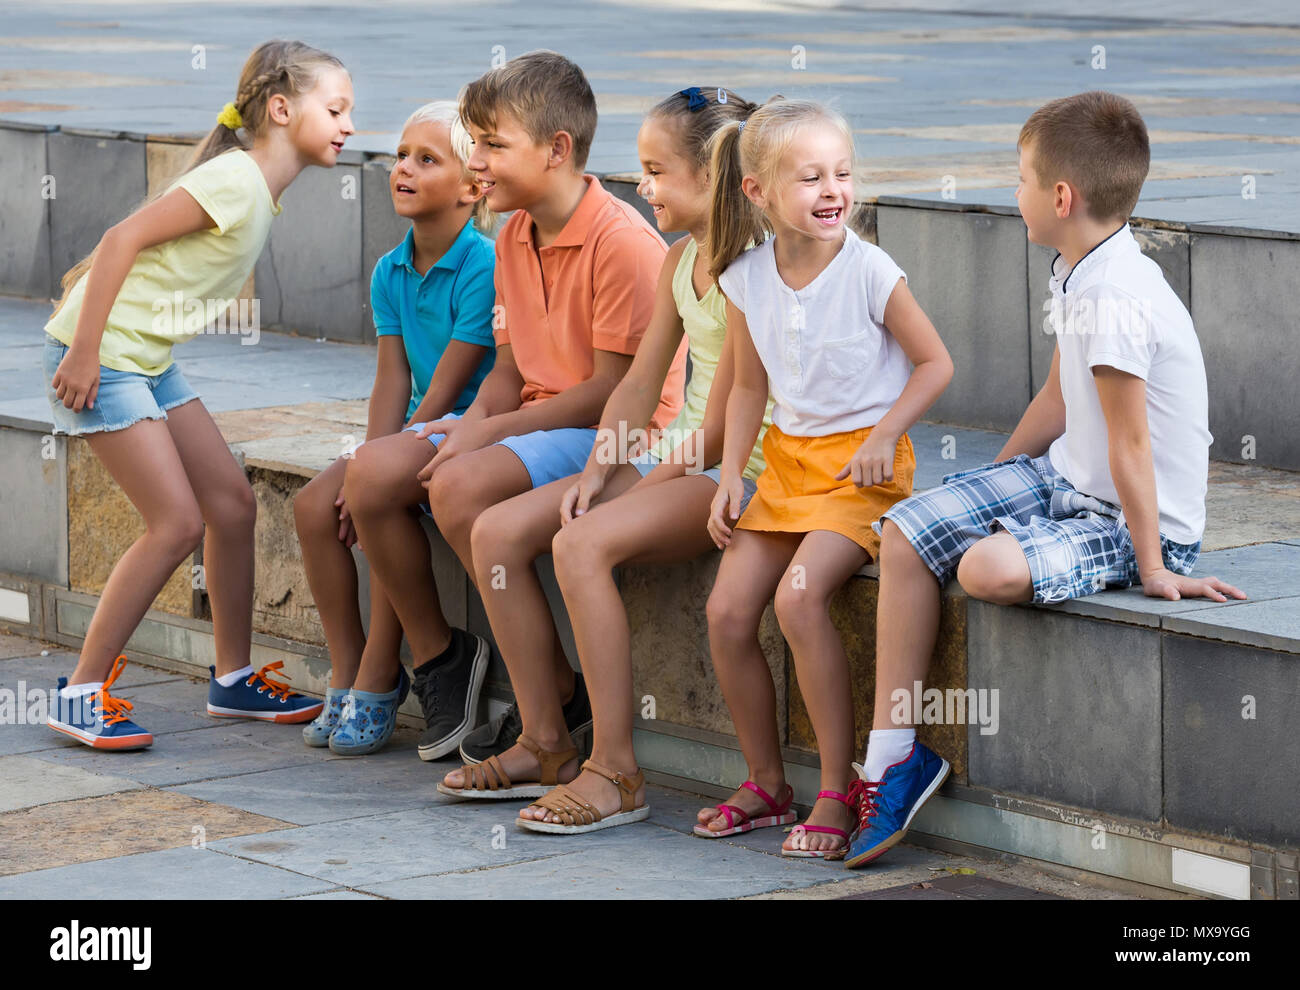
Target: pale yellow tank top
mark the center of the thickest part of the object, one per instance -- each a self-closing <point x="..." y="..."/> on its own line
<point x="705" y="323"/>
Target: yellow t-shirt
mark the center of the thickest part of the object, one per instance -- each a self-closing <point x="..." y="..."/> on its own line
<point x="177" y="288"/>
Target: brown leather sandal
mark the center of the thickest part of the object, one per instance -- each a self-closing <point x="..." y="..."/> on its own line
<point x="489" y="779"/>
<point x="577" y="814"/>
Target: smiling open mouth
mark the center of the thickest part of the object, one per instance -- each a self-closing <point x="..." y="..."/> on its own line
<point x="830" y="216"/>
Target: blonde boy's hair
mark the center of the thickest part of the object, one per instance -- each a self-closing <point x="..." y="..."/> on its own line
<point x="462" y="146"/>
<point x="1098" y="143"/>
<point x="755" y="150"/>
<point x="542" y="90"/>
<point x="275" y="68"/>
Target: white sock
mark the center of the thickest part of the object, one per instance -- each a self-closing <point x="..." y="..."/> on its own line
<point x="234" y="677"/>
<point x="885" y="747"/>
<point x="78" y="690"/>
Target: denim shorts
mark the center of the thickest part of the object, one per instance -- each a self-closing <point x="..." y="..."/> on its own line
<point x="124" y="397"/>
<point x="647" y="462"/>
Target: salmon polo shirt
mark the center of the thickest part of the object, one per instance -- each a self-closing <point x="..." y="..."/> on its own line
<point x="592" y="289"/>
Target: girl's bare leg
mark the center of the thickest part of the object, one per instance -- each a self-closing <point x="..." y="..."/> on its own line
<point x="822" y="564"/>
<point x="229" y="511"/>
<point x="651" y="524"/>
<point x="143" y="460"/>
<point x="750" y="571"/>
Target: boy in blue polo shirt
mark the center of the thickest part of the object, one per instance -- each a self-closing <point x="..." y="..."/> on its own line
<point x="432" y="299"/>
<point x="1103" y="482"/>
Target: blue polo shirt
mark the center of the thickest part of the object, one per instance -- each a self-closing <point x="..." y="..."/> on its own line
<point x="453" y="300"/>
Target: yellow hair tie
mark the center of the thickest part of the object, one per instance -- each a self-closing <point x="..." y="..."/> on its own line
<point x="230" y="117"/>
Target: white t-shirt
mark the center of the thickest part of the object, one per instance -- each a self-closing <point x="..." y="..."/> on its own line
<point x="832" y="367"/>
<point x="1115" y="308"/>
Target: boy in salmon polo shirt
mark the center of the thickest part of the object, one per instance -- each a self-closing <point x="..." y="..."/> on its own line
<point x="575" y="276"/>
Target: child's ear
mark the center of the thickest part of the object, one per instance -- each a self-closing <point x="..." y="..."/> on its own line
<point x="471" y="193"/>
<point x="750" y="187"/>
<point x="561" y="149"/>
<point x="1065" y="199"/>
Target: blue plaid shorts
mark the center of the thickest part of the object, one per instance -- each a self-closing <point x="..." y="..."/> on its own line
<point x="1074" y="543"/>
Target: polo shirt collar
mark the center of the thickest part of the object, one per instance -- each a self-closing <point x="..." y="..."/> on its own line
<point x="1101" y="252"/>
<point x="578" y="227"/>
<point x="450" y="259"/>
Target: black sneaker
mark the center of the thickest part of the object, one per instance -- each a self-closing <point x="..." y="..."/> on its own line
<point x="449" y="695"/>
<point x="500" y="734"/>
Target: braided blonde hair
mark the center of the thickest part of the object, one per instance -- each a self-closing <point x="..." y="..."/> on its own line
<point x="275" y="68"/>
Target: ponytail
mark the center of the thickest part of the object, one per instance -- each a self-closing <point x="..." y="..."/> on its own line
<point x="735" y="223"/>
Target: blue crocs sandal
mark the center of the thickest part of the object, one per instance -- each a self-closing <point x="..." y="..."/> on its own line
<point x="257" y="696"/>
<point x="317" y="734"/>
<point x="98" y="719"/>
<point x="368" y="719"/>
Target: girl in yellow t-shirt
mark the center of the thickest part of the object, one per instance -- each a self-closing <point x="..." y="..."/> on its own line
<point x="169" y="270"/>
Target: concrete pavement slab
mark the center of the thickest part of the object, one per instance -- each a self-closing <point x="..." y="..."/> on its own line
<point x="200" y="874"/>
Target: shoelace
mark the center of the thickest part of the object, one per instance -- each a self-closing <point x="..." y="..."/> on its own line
<point x="863" y="795"/>
<point x="278" y="690"/>
<point x="426" y="689"/>
<point x="110" y="709"/>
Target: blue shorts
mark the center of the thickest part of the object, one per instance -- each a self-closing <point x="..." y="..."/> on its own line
<point x="550" y="455"/>
<point x="124" y="397"/>
<point x="433" y="438"/>
<point x="1074" y="543"/>
<point x="647" y="462"/>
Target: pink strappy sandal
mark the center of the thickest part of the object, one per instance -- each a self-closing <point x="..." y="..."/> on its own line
<point x="838" y="852"/>
<point x="738" y="819"/>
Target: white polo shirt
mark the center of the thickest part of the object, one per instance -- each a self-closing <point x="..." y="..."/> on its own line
<point x="1115" y="308"/>
<point x="832" y="367"/>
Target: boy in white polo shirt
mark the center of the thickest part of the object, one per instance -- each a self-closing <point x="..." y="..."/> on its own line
<point x="1103" y="481"/>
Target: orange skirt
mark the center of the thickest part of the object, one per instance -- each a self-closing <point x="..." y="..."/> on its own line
<point x="798" y="493"/>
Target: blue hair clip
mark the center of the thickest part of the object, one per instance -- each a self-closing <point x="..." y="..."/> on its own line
<point x="696" y="98"/>
<point x="742" y="126"/>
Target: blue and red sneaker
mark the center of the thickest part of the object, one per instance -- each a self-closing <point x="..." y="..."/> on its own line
<point x="257" y="696"/>
<point x="98" y="719"/>
<point x="887" y="806"/>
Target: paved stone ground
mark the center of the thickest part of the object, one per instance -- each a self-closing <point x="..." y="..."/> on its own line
<point x="937" y="89"/>
<point x="242" y="809"/>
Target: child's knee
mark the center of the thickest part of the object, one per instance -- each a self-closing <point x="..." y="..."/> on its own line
<point x="237" y="508"/>
<point x="575" y="550"/>
<point x="313" y="508"/>
<point x="729" y="612"/>
<point x="896" y="550"/>
<point x="491" y="539"/>
<point x="796" y="605"/>
<point x="180" y="533"/>
<point x="995" y="570"/>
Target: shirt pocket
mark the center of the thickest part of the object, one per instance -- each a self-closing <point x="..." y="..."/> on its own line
<point x="849" y="357"/>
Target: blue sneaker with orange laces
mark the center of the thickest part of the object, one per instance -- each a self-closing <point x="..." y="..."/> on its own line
<point x="257" y="696"/>
<point x="887" y="806"/>
<point x="98" y="719"/>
